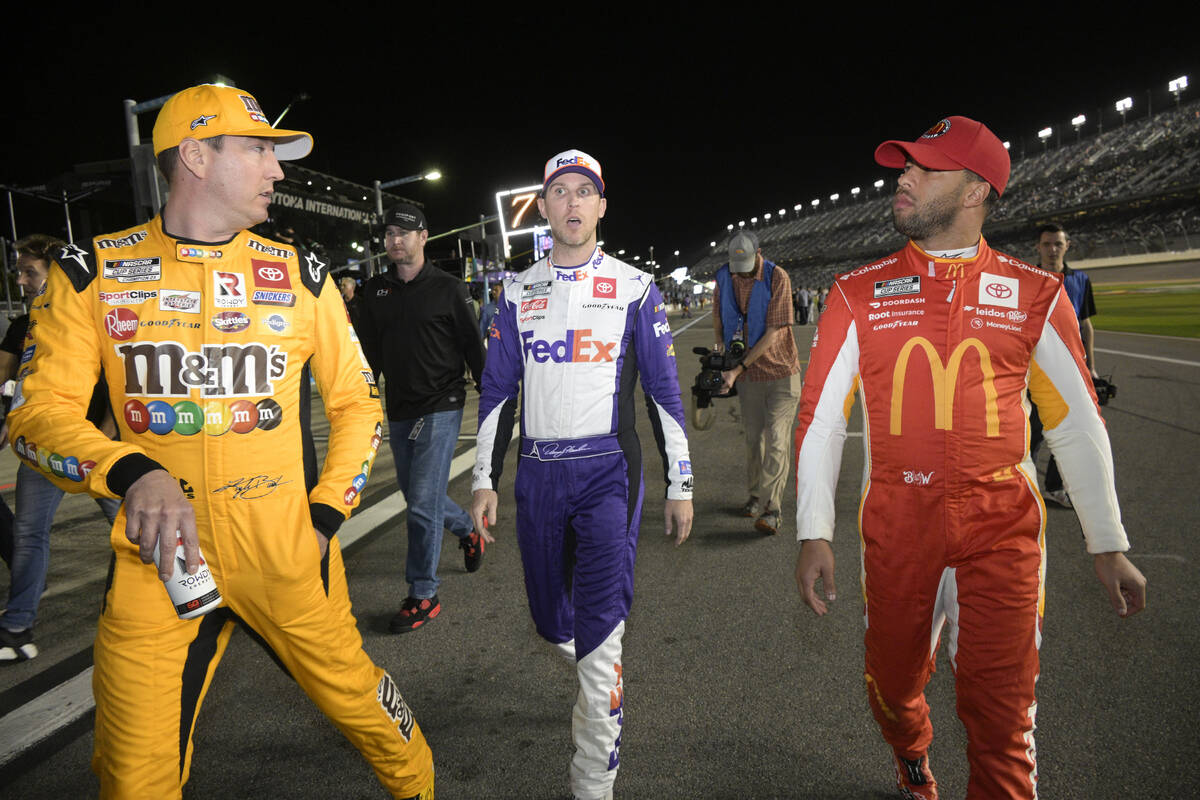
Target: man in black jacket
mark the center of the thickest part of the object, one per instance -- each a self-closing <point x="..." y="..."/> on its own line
<point x="419" y="329"/>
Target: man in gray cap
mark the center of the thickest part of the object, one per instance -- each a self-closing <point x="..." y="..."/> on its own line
<point x="753" y="304"/>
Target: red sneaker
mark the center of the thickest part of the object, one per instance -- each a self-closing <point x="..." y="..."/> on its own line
<point x="414" y="613"/>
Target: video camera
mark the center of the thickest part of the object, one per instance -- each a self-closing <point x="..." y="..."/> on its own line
<point x="1105" y="389"/>
<point x="709" y="382"/>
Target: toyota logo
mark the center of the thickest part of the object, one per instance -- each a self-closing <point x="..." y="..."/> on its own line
<point x="999" y="290"/>
<point x="270" y="274"/>
<point x="604" y="286"/>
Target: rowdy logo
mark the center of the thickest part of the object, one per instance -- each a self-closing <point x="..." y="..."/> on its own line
<point x="229" y="290"/>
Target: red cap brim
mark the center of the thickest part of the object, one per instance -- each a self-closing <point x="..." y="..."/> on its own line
<point x="894" y="153"/>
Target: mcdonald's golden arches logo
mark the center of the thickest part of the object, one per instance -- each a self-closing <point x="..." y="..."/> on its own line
<point x="945" y="381"/>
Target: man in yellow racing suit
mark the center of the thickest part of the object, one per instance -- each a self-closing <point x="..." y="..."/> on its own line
<point x="203" y="331"/>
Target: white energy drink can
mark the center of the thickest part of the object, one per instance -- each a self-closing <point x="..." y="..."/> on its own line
<point x="192" y="595"/>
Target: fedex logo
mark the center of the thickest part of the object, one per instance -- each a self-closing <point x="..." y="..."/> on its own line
<point x="575" y="347"/>
<point x="578" y="161"/>
<point x="571" y="275"/>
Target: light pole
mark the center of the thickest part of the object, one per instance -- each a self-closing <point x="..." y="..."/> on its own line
<point x="432" y="175"/>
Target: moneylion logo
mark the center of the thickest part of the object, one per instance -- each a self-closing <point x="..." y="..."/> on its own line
<point x="945" y="383"/>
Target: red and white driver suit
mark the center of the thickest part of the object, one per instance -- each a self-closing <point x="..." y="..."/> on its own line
<point x="941" y="351"/>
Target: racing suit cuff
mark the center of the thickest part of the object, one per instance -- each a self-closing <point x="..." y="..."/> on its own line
<point x="326" y="519"/>
<point x="127" y="470"/>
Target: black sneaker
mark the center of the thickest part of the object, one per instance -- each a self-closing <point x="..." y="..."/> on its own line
<point x="17" y="646"/>
<point x="472" y="547"/>
<point x="414" y="613"/>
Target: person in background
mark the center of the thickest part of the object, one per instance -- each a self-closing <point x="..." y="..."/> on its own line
<point x="37" y="498"/>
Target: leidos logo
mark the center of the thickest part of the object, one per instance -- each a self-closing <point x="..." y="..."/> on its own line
<point x="168" y="369"/>
<point x="945" y="382"/>
<point x="575" y="347"/>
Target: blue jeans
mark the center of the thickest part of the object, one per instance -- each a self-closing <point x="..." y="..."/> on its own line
<point x="37" y="500"/>
<point x="422" y="449"/>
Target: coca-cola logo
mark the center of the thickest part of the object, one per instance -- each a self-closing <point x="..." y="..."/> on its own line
<point x="121" y="323"/>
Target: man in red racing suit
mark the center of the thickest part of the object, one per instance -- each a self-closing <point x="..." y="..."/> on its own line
<point x="941" y="340"/>
<point x="203" y="330"/>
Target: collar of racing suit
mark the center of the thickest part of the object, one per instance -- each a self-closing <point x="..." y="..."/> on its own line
<point x="949" y="269"/>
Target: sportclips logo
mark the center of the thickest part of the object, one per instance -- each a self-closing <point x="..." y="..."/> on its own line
<point x="168" y="369"/>
<point x="575" y="347"/>
<point x="945" y="384"/>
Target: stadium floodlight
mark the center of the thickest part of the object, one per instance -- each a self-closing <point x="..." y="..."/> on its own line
<point x="742" y="224"/>
<point x="767" y="217"/>
<point x="676" y="255"/>
<point x="1177" y="86"/>
<point x="1078" y="121"/>
<point x="782" y="211"/>
<point x="797" y="207"/>
<point x="1123" y="105"/>
<point x="833" y="198"/>
<point x="729" y="227"/>
<point x="433" y="175"/>
<point x="712" y="244"/>
<point x="878" y="184"/>
<point x="816" y="202"/>
<point x="1008" y="145"/>
<point x="856" y="191"/>
<point x="621" y="252"/>
<point x="1045" y="133"/>
<point x="754" y="220"/>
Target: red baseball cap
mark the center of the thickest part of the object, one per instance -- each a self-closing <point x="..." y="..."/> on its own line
<point x="953" y="143"/>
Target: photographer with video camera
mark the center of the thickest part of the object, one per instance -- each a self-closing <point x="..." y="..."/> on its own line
<point x="752" y="308"/>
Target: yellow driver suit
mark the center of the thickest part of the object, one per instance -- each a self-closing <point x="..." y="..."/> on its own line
<point x="203" y="347"/>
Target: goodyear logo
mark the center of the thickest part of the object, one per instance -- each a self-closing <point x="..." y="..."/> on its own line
<point x="945" y="383"/>
<point x="576" y="346"/>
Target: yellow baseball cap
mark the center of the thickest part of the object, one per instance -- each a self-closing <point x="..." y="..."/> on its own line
<point x="210" y="110"/>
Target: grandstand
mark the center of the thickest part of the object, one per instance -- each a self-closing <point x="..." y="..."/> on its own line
<point x="1133" y="189"/>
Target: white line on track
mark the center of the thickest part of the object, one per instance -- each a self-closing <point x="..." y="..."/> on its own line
<point x="26" y="726"/>
<point x="1149" y="358"/>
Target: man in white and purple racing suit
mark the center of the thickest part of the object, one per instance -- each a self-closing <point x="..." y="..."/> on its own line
<point x="578" y="337"/>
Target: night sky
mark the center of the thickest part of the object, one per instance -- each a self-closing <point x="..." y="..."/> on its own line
<point x="696" y="124"/>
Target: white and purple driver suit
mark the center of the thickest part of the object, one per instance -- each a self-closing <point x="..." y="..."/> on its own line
<point x="578" y="338"/>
